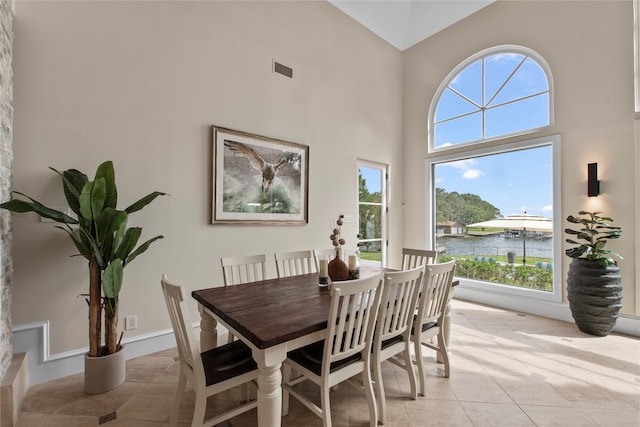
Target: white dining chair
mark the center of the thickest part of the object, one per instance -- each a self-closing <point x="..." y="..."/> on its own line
<point x="430" y="318"/>
<point x="237" y="270"/>
<point x="392" y="337"/>
<point x="327" y="253"/>
<point x="345" y="351"/>
<point x="295" y="263"/>
<point x="412" y="258"/>
<point x="243" y="269"/>
<point x="210" y="372"/>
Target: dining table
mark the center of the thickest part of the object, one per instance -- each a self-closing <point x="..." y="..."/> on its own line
<point x="272" y="317"/>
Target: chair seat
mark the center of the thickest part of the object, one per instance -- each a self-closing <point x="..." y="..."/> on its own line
<point x="311" y="358"/>
<point x="429" y="325"/>
<point x="227" y="361"/>
<point x="391" y="341"/>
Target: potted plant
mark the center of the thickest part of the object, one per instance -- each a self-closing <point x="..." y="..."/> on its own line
<point x="101" y="235"/>
<point x="594" y="283"/>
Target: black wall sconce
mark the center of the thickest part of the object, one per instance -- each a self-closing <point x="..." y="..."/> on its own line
<point x="593" y="185"/>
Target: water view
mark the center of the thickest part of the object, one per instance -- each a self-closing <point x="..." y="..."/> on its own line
<point x="495" y="245"/>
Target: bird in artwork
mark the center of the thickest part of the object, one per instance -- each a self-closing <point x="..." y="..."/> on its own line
<point x="267" y="170"/>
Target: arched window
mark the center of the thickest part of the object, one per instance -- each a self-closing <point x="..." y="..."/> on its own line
<point x="498" y="92"/>
<point x="503" y="94"/>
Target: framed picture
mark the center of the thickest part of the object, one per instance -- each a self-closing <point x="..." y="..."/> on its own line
<point x="258" y="180"/>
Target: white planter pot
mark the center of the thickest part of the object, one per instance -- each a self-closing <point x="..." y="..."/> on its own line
<point x="105" y="373"/>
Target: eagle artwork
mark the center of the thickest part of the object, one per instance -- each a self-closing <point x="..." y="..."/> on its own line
<point x="267" y="181"/>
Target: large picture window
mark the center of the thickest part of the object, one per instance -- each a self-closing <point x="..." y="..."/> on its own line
<point x="493" y="205"/>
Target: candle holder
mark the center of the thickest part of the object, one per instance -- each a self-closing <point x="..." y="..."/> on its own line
<point x="323" y="273"/>
<point x="354" y="267"/>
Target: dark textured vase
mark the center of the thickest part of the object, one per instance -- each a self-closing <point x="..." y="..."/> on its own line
<point x="595" y="296"/>
<point x="338" y="269"/>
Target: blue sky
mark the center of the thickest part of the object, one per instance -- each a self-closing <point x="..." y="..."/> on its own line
<point x="515" y="182"/>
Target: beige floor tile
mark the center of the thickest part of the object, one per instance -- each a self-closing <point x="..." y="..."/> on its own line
<point x="496" y="415"/>
<point x="146" y="407"/>
<point x="551" y="416"/>
<point x="616" y="418"/>
<point x="30" y="419"/>
<point x="477" y="388"/>
<point x="525" y="390"/>
<point x="507" y="369"/>
<point x="438" y="413"/>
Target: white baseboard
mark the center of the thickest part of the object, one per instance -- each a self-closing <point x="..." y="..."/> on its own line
<point x="43" y="366"/>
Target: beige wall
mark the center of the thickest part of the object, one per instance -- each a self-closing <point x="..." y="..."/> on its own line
<point x="589" y="48"/>
<point x="140" y="83"/>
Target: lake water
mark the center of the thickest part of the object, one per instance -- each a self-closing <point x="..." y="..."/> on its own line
<point x="494" y="245"/>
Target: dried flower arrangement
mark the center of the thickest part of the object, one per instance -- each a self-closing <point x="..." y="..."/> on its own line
<point x="336" y="236"/>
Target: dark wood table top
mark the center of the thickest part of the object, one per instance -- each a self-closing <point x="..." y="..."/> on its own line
<point x="270" y="312"/>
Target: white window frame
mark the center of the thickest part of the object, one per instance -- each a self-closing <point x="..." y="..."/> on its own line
<point x="472" y="59"/>
<point x="495" y="288"/>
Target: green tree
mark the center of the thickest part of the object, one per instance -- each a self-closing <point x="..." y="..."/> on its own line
<point x="463" y="208"/>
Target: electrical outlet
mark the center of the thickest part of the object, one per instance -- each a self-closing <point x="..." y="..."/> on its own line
<point x="348" y="218"/>
<point x="130" y="322"/>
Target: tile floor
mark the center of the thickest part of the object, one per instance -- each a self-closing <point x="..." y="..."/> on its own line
<point x="507" y="369"/>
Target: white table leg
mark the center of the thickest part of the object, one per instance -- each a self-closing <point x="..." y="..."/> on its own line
<point x="270" y="385"/>
<point x="208" y="331"/>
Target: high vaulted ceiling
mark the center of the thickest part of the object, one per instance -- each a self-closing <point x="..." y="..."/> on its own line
<point x="403" y="23"/>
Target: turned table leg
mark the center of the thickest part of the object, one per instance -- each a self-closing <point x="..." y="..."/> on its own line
<point x="208" y="331"/>
<point x="269" y="385"/>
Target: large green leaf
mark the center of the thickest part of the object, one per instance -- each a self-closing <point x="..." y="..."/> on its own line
<point x="106" y="171"/>
<point x="21" y="206"/>
<point x="108" y="222"/>
<point x="92" y="198"/>
<point x="72" y="183"/>
<point x="141" y="249"/>
<point x="90" y="241"/>
<point x="129" y="241"/>
<point x="112" y="279"/>
<point x="82" y="245"/>
<point x="144" y="201"/>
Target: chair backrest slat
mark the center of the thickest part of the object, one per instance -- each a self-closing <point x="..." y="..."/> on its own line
<point x="188" y="348"/>
<point x="397" y="306"/>
<point x="295" y="263"/>
<point x="327" y="253"/>
<point x="412" y="258"/>
<point x="243" y="269"/>
<point x="435" y="292"/>
<point x="354" y="306"/>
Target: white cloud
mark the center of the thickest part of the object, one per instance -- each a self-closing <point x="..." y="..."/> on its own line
<point x="466" y="167"/>
<point x="472" y="174"/>
<point x="548" y="208"/>
<point x="463" y="165"/>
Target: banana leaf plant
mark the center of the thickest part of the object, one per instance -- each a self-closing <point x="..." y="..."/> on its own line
<point x="101" y="235"/>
